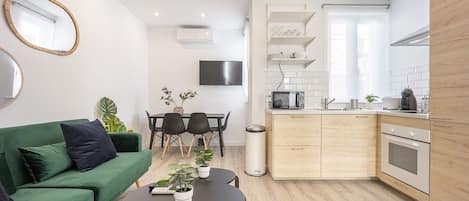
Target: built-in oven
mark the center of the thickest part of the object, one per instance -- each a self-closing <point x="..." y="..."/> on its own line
<point x="290" y="100"/>
<point x="405" y="155"/>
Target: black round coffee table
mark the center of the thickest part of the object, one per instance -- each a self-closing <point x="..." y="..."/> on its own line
<point x="214" y="188"/>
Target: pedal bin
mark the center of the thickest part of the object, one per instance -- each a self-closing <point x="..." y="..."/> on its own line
<point x="255" y="164"/>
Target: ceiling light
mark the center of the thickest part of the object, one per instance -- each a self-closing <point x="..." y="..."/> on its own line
<point x="156" y="14"/>
<point x="202" y="14"/>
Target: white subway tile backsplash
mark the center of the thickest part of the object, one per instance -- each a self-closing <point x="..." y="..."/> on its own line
<point x="313" y="82"/>
<point x="415" y="77"/>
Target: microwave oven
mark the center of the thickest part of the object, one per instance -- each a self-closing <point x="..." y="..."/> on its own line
<point x="288" y="100"/>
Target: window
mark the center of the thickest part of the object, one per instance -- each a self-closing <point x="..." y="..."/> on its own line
<point x="35" y="27"/>
<point x="357" y="51"/>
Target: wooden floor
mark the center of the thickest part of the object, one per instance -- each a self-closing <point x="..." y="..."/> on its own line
<point x="265" y="189"/>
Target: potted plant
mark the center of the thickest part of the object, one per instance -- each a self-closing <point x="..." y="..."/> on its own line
<point x="180" y="181"/>
<point x="168" y="99"/>
<point x="106" y="111"/>
<point x="371" y="99"/>
<point x="202" y="158"/>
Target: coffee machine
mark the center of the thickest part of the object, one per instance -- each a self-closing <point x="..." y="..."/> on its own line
<point x="408" y="101"/>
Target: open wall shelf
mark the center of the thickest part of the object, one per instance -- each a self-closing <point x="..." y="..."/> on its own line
<point x="294" y="40"/>
<point x="291" y="16"/>
<point x="292" y="61"/>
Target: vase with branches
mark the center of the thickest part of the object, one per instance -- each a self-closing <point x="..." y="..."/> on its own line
<point x="183" y="96"/>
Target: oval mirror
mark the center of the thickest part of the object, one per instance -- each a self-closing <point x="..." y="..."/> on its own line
<point x="45" y="25"/>
<point x="11" y="78"/>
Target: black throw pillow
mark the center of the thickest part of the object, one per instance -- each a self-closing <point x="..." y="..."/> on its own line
<point x="88" y="144"/>
<point x="3" y="194"/>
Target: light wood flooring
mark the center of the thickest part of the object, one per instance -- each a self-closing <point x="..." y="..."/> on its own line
<point x="265" y="189"/>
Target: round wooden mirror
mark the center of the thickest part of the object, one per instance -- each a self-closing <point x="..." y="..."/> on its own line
<point x="11" y="78"/>
<point x="45" y="25"/>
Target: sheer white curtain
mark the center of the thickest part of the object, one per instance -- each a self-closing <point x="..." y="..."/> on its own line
<point x="357" y="53"/>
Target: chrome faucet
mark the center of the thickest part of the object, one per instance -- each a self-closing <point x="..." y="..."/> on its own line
<point x="325" y="102"/>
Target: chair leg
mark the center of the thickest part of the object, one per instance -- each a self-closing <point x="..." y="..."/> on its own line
<point x="181" y="148"/>
<point x="168" y="138"/>
<point x="190" y="146"/>
<point x="210" y="139"/>
<point x="205" y="142"/>
<point x="137" y="183"/>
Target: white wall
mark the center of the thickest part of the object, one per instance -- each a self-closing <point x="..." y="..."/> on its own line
<point x="409" y="63"/>
<point x="176" y="66"/>
<point x="111" y="60"/>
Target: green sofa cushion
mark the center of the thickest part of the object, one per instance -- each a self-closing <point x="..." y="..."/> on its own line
<point x="27" y="136"/>
<point x="108" y="180"/>
<point x="5" y="177"/>
<point x="53" y="194"/>
<point x="46" y="161"/>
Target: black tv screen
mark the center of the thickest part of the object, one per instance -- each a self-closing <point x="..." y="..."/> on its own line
<point x="221" y="73"/>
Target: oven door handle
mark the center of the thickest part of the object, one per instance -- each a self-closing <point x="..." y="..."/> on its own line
<point x="403" y="141"/>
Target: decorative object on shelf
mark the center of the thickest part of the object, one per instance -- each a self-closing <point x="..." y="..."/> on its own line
<point x="59" y="33"/>
<point x="287" y="29"/>
<point x="168" y="99"/>
<point x="370" y="100"/>
<point x="202" y="159"/>
<point x="180" y="181"/>
<point x="11" y="78"/>
<point x="107" y="113"/>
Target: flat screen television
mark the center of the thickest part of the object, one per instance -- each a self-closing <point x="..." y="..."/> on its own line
<point x="220" y="72"/>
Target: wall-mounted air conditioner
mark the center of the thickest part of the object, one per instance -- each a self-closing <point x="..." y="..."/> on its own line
<point x="194" y="34"/>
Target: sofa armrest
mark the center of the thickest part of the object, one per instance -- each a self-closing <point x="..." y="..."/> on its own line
<point x="127" y="142"/>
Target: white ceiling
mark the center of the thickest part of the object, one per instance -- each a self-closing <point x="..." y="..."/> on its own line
<point x="219" y="14"/>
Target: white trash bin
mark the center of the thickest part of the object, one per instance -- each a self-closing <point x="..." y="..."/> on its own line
<point x="255" y="164"/>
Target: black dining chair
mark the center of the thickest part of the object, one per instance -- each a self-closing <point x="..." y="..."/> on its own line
<point x="198" y="125"/>
<point x="153" y="129"/>
<point x="173" y="125"/>
<point x="220" y="134"/>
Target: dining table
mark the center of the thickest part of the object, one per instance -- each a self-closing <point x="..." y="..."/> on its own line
<point x="218" y="117"/>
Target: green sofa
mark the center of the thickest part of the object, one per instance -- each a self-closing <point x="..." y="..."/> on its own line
<point x="104" y="183"/>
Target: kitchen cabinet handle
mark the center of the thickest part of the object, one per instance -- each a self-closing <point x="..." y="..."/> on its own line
<point x="441" y="126"/>
<point x="297" y="149"/>
<point x="298" y="117"/>
<point x="441" y="118"/>
<point x="361" y="117"/>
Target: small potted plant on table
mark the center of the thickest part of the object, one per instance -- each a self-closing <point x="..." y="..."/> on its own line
<point x="201" y="160"/>
<point x="180" y="181"/>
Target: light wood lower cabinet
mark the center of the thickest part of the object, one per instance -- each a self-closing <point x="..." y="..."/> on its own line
<point x="348" y="146"/>
<point x="296" y="162"/>
<point x="296" y="130"/>
<point x="321" y="146"/>
<point x="294" y="146"/>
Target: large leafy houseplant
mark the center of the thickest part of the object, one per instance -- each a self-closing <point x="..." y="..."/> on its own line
<point x="202" y="159"/>
<point x="107" y="113"/>
<point x="180" y="180"/>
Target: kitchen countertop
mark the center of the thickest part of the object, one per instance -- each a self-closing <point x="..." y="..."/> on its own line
<point x="347" y="112"/>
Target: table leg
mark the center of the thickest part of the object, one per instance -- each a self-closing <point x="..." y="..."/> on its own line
<point x="162" y="140"/>
<point x="220" y="132"/>
<point x="152" y="137"/>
